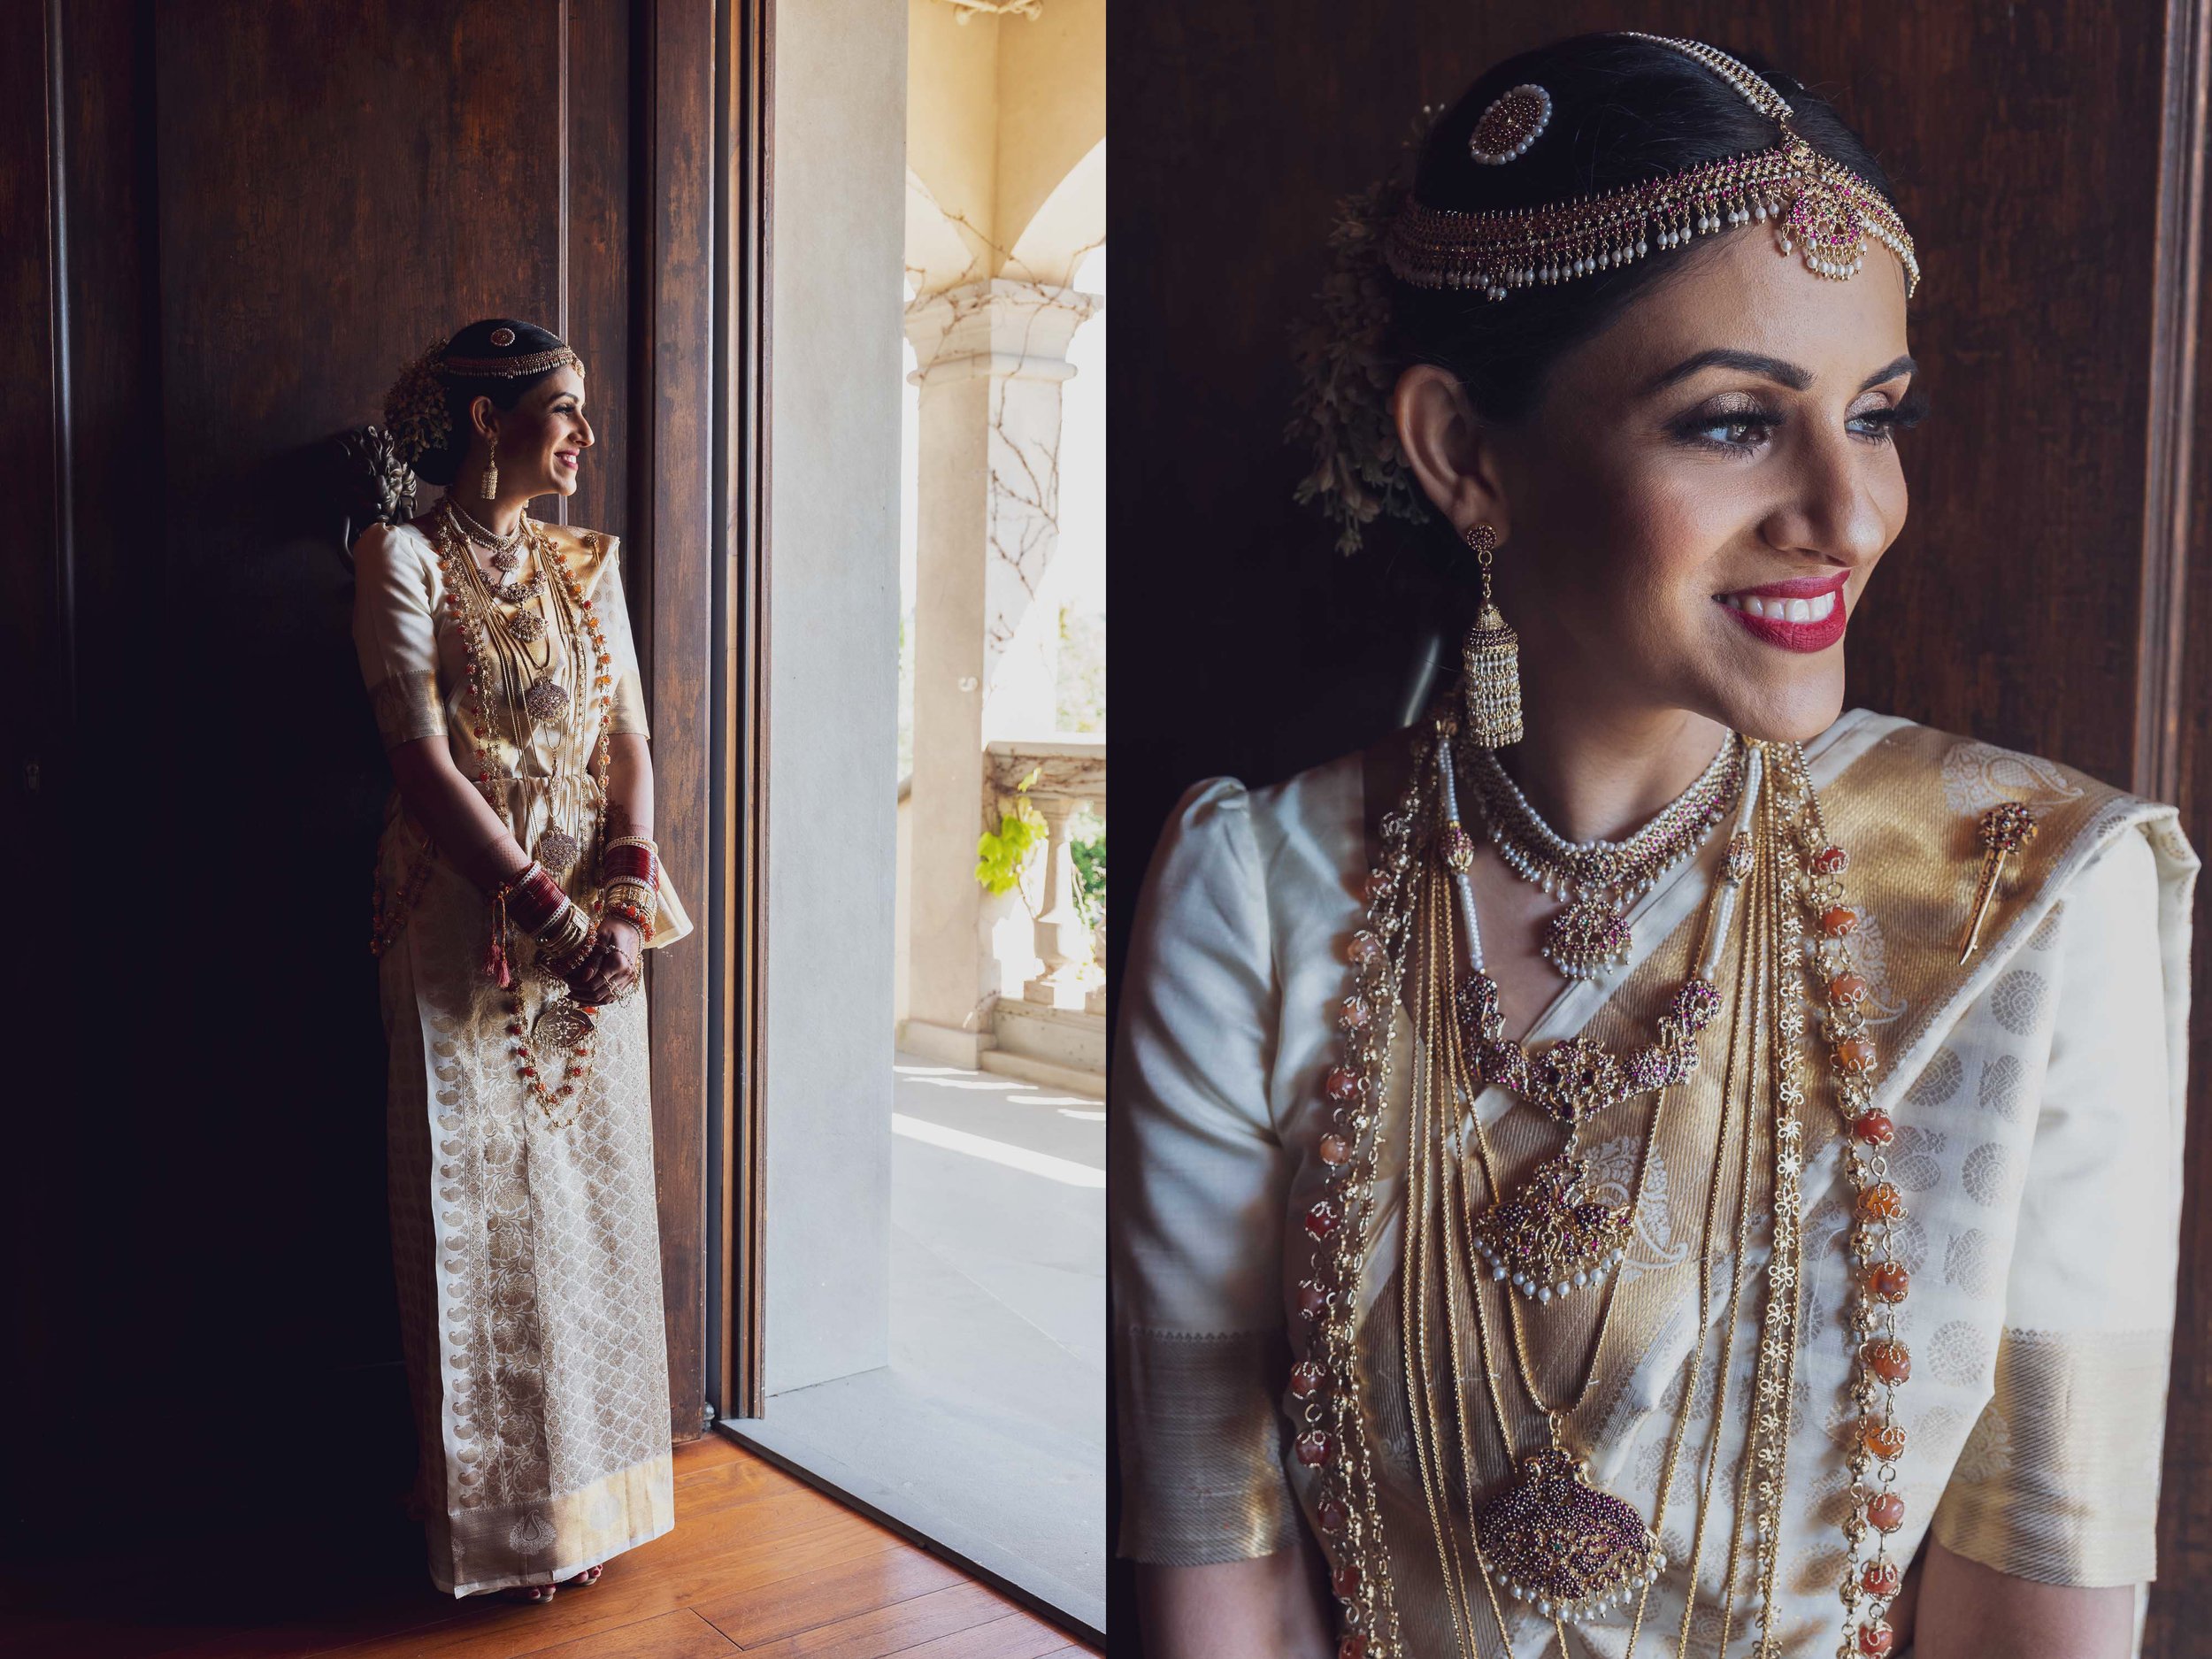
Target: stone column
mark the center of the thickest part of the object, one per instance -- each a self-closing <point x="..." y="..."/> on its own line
<point x="1063" y="941"/>
<point x="991" y="357"/>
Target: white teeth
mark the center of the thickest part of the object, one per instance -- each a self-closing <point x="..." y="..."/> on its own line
<point x="1816" y="610"/>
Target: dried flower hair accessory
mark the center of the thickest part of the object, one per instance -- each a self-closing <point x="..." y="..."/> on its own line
<point x="415" y="411"/>
<point x="1340" y="412"/>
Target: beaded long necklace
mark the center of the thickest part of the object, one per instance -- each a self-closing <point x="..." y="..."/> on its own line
<point x="1792" y="870"/>
<point x="468" y="604"/>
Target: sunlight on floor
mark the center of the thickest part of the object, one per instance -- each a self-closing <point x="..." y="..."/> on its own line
<point x="1062" y="1170"/>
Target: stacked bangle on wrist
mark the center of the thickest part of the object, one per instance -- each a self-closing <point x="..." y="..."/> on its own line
<point x="630" y="858"/>
<point x="629" y="875"/>
<point x="532" y="898"/>
<point x="564" y="941"/>
<point x="633" y="904"/>
<point x="627" y="896"/>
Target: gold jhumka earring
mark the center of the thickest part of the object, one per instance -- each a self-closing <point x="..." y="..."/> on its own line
<point x="1492" y="659"/>
<point x="491" y="470"/>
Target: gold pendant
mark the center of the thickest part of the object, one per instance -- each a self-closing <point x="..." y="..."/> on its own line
<point x="558" y="851"/>
<point x="562" y="1023"/>
<point x="526" y="625"/>
<point x="1586" y="938"/>
<point x="545" y="702"/>
<point x="1558" y="1543"/>
<point x="1553" y="1235"/>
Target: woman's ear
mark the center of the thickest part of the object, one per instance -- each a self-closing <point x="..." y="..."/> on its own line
<point x="1446" y="446"/>
<point x="484" y="416"/>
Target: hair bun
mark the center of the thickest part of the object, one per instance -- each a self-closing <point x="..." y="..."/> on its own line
<point x="415" y="411"/>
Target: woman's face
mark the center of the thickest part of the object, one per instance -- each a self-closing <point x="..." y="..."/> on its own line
<point x="1695" y="506"/>
<point x="543" y="438"/>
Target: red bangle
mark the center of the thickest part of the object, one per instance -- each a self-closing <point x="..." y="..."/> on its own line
<point x="636" y="863"/>
<point x="534" y="901"/>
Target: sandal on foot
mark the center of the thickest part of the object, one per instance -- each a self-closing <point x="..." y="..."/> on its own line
<point x="535" y="1594"/>
<point x="585" y="1579"/>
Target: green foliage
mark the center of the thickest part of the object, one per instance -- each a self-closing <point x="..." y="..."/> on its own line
<point x="1090" y="876"/>
<point x="1001" y="853"/>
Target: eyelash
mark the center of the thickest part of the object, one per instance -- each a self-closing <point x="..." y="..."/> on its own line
<point x="1888" y="421"/>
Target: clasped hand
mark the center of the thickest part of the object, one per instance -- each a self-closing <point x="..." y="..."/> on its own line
<point x="612" y="966"/>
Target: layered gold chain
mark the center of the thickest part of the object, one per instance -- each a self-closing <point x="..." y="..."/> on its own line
<point x="1789" y="875"/>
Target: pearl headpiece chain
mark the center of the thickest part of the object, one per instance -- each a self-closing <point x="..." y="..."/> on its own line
<point x="1815" y="204"/>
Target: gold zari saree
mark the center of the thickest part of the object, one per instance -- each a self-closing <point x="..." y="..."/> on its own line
<point x="528" y="1254"/>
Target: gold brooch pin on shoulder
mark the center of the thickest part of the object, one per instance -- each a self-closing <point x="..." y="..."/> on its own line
<point x="2005" y="829"/>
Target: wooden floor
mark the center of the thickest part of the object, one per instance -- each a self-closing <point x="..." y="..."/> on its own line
<point x="760" y="1564"/>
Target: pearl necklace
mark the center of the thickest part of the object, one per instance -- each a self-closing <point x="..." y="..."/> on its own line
<point x="1600" y="880"/>
<point x="506" y="550"/>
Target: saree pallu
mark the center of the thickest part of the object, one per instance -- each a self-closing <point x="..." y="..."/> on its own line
<point x="526" y="1249"/>
<point x="2037" y="1093"/>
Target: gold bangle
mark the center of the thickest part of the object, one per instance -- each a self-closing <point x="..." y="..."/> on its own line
<point x="631" y="893"/>
<point x="567" y="934"/>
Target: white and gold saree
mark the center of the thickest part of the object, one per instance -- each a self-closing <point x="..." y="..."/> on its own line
<point x="527" y="1255"/>
<point x="2037" y="1093"/>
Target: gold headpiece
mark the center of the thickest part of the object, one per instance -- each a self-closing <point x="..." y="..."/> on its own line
<point x="1813" y="202"/>
<point x="507" y="368"/>
<point x="415" y="412"/>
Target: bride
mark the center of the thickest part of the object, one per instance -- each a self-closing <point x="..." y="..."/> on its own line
<point x="1649" y="1156"/>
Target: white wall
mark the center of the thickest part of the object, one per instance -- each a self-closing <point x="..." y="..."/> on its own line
<point x="833" y="608"/>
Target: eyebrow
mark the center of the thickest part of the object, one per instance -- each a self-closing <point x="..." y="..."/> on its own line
<point x="1767" y="368"/>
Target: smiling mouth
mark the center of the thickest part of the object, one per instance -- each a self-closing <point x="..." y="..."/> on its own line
<point x="569" y="458"/>
<point x="1804" y="614"/>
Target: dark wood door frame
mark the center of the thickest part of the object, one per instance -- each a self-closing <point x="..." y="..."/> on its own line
<point x="701" y="482"/>
<point x="673" y="467"/>
<point x="743" y="190"/>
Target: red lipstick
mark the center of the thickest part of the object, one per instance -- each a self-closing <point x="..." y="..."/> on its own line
<point x="1805" y="613"/>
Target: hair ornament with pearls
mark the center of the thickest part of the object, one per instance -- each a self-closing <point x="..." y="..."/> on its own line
<point x="1815" y="205"/>
<point x="1386" y="240"/>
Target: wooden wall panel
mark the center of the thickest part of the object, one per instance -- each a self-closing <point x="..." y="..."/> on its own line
<point x="675" y="446"/>
<point x="596" y="301"/>
<point x="269" y="207"/>
<point x="35" y="711"/>
<point x="2026" y="144"/>
<point x="2181" y="1603"/>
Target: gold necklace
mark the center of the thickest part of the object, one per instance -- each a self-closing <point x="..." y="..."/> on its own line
<point x="1600" y="880"/>
<point x="1409" y="882"/>
<point x="1555" y="1235"/>
<point x="545" y="699"/>
<point x="1563" y="1545"/>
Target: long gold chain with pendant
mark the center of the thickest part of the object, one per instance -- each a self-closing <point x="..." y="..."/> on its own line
<point x="1567" y="1546"/>
<point x="1406" y="887"/>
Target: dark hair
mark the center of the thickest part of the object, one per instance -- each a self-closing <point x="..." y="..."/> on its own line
<point x="442" y="465"/>
<point x="1624" y="111"/>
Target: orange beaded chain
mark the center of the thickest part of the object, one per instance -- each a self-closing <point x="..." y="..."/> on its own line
<point x="1881" y="1362"/>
